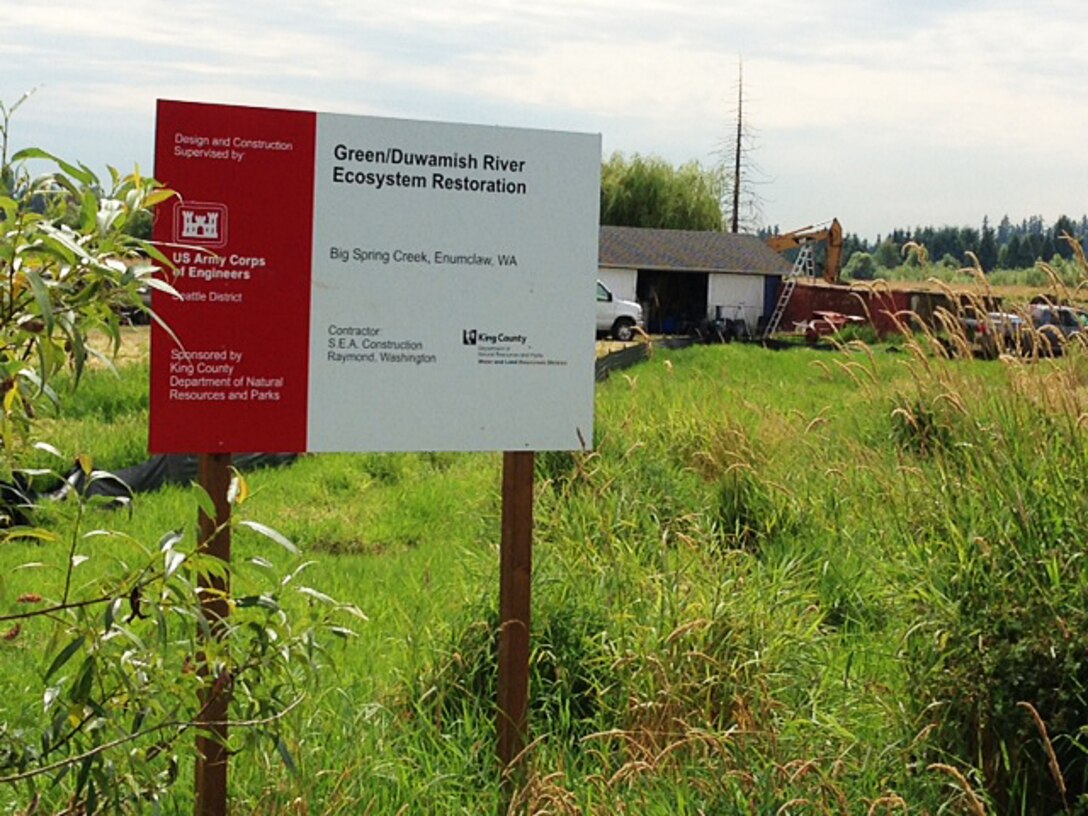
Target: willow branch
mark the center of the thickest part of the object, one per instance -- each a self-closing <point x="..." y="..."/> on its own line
<point x="49" y="610"/>
<point x="182" y="725"/>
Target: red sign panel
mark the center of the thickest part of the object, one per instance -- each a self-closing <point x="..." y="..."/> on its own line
<point x="234" y="375"/>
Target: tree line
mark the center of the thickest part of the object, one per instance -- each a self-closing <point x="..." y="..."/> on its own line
<point x="1009" y="245"/>
<point x="648" y="191"/>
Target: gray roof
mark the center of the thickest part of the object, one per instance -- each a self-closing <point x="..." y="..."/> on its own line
<point x="688" y="251"/>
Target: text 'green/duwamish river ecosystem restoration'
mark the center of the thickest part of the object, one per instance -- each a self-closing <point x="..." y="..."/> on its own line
<point x="387" y="174"/>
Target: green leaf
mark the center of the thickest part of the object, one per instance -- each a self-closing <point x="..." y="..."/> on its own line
<point x="92" y="799"/>
<point x="269" y="533"/>
<point x="30" y="565"/>
<point x="32" y="153"/>
<point x="130" y="635"/>
<point x="64" y="244"/>
<point x="81" y="174"/>
<point x="33" y="473"/>
<point x="210" y="565"/>
<point x="238" y="492"/>
<point x="110" y="217"/>
<point x="84" y="775"/>
<point x="205" y="503"/>
<point x="112" y="608"/>
<point x="102" y="360"/>
<point x="41" y="297"/>
<point x="50" y="697"/>
<point x="173" y="561"/>
<point x="88" y="214"/>
<point x="64" y="656"/>
<point x="8" y="207"/>
<point x="47" y="448"/>
<point x="158" y="196"/>
<point x="155" y="253"/>
<point x="16" y="533"/>
<point x="285" y="755"/>
<point x="77" y="350"/>
<point x="354" y="611"/>
<point x="305" y="565"/>
<point x="31" y="376"/>
<point x="171" y="539"/>
<point x="316" y="595"/>
<point x="162" y="324"/>
<point x="160" y="285"/>
<point x="92" y="177"/>
<point x="100" y="533"/>
<point x="260" y="601"/>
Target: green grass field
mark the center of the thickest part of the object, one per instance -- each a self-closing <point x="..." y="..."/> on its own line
<point x="783" y="582"/>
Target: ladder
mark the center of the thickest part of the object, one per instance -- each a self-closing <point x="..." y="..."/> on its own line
<point x="803" y="266"/>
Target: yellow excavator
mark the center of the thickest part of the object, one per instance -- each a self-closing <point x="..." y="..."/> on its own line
<point x="831" y="235"/>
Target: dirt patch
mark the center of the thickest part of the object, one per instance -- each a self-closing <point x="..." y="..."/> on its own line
<point x="135" y="346"/>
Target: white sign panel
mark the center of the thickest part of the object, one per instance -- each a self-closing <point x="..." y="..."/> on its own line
<point x="453" y="286"/>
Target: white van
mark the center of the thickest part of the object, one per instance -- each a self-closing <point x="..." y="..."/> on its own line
<point x="615" y="316"/>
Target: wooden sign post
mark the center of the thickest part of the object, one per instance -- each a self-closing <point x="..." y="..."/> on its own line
<point x="515" y="596"/>
<point x="211" y="748"/>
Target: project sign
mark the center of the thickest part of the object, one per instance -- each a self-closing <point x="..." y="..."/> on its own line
<point x="366" y="284"/>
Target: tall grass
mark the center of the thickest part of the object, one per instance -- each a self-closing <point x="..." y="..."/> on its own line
<point x="809" y="581"/>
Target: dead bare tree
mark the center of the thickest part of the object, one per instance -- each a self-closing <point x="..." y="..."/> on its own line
<point x="741" y="176"/>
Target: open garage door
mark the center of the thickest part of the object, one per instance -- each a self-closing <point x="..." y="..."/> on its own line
<point x="672" y="302"/>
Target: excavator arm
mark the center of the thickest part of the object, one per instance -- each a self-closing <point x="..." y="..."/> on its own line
<point x="832" y="236"/>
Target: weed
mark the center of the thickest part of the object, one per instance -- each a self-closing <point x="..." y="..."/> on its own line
<point x="919" y="427"/>
<point x="748" y="511"/>
<point x="571" y="674"/>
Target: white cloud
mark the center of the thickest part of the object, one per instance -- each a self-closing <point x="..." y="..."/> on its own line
<point x="846" y="95"/>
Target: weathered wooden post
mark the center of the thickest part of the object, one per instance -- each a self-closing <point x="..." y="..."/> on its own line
<point x="515" y="601"/>
<point x="212" y="756"/>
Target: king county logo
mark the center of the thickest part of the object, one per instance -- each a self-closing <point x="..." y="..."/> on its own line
<point x="200" y="222"/>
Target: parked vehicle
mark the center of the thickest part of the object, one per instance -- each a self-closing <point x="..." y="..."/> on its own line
<point x="1055" y="326"/>
<point x="616" y="316"/>
<point x="1055" y="320"/>
<point x="1042" y="329"/>
<point x="1004" y="324"/>
<point x="996" y="333"/>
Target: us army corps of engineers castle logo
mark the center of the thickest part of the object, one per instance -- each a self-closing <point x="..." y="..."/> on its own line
<point x="200" y="222"/>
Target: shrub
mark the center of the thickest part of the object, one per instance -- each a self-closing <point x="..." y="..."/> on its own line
<point x="855" y="333"/>
<point x="861" y="266"/>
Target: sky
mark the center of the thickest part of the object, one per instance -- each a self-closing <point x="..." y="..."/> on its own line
<point x="882" y="114"/>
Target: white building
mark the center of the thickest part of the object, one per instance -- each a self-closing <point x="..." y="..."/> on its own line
<point x="684" y="277"/>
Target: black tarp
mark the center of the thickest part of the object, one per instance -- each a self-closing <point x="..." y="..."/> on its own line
<point x="166" y="469"/>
